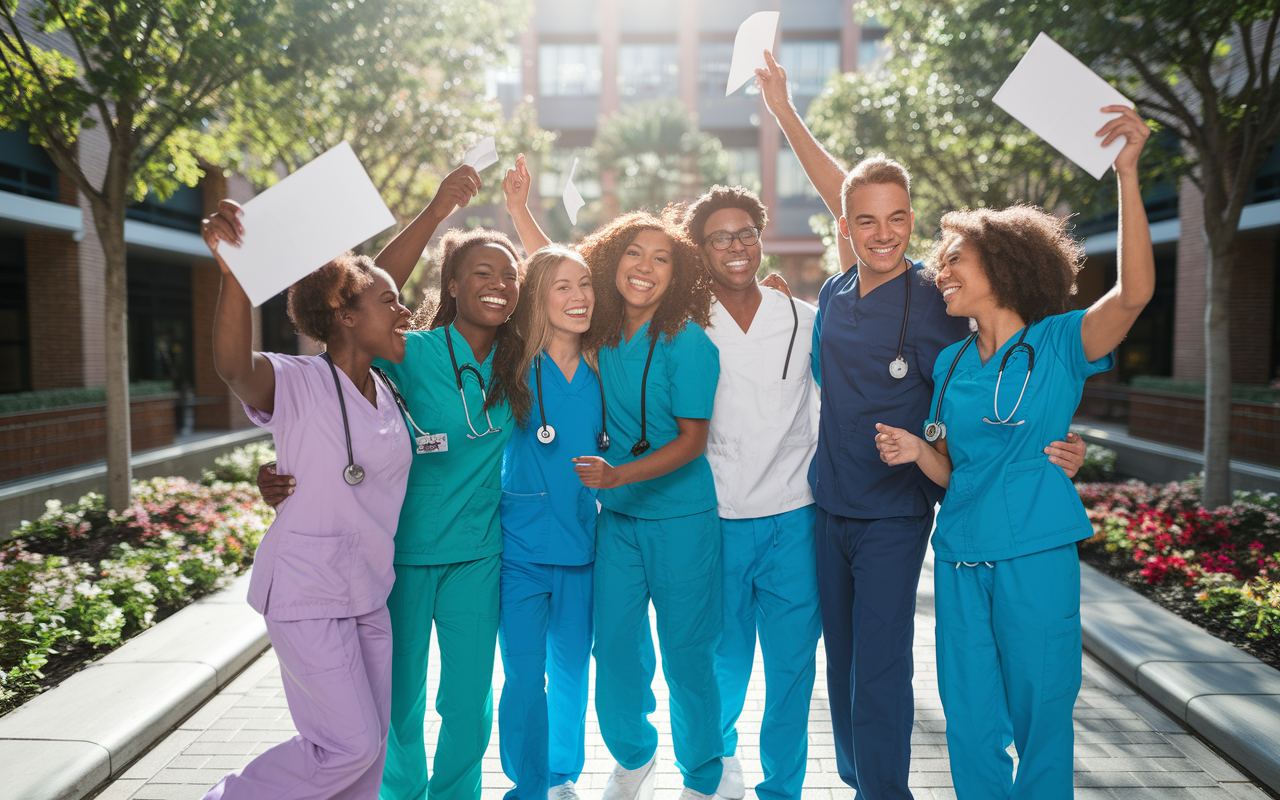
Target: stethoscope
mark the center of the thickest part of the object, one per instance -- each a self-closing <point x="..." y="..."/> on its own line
<point x="795" y="326"/>
<point x="484" y="397"/>
<point x="353" y="473"/>
<point x="935" y="430"/>
<point x="898" y="367"/>
<point x="547" y="434"/>
<point x="642" y="444"/>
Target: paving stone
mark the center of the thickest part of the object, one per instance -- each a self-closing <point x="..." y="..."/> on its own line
<point x="45" y="770"/>
<point x="1174" y="684"/>
<point x="1206" y="758"/>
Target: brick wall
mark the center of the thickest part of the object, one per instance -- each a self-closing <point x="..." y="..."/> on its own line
<point x="1252" y="306"/>
<point x="54" y="310"/>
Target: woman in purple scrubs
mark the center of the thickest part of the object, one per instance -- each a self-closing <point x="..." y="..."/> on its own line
<point x="323" y="571"/>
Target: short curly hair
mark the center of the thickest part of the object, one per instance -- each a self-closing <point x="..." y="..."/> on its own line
<point x="687" y="298"/>
<point x="1027" y="254"/>
<point x="718" y="199"/>
<point x="313" y="301"/>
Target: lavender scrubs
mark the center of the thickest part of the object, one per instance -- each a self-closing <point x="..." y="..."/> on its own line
<point x="321" y="578"/>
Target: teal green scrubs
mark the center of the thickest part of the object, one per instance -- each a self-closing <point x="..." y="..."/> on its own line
<point x="1007" y="577"/>
<point x="447" y="562"/>
<point x="659" y="540"/>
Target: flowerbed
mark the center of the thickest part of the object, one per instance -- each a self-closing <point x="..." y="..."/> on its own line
<point x="1219" y="568"/>
<point x="79" y="581"/>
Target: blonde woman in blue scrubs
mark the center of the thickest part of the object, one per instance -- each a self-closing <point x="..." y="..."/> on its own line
<point x="658" y="535"/>
<point x="1007" y="576"/>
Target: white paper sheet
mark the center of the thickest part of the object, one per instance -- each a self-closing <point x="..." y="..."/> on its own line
<point x="1055" y="95"/>
<point x="573" y="201"/>
<point x="305" y="221"/>
<point x="484" y="154"/>
<point x="755" y="35"/>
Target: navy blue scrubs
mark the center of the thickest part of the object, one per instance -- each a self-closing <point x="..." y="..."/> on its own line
<point x="873" y="519"/>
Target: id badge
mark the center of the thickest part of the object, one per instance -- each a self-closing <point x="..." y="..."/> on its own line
<point x="432" y="443"/>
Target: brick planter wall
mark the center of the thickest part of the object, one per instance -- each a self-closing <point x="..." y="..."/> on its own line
<point x="1179" y="420"/>
<point x="32" y="442"/>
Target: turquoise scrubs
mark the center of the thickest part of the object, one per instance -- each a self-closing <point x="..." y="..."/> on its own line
<point x="447" y="566"/>
<point x="1007" y="577"/>
<point x="659" y="540"/>
<point x="548" y="536"/>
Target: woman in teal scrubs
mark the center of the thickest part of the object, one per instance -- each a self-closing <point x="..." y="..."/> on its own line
<point x="658" y="535"/>
<point x="1007" y="576"/>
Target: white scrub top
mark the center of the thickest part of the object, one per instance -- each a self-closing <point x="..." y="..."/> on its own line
<point x="764" y="430"/>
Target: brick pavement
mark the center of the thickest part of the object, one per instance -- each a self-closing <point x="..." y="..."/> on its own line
<point x="1125" y="748"/>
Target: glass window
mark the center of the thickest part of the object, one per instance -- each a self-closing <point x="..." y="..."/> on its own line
<point x="792" y="182"/>
<point x="183" y="210"/>
<point x="713" y="67"/>
<point x="872" y="53"/>
<point x="160" y="327"/>
<point x="24" y="168"/>
<point x="809" y="64"/>
<point x="502" y="81"/>
<point x="15" y="343"/>
<point x="648" y="70"/>
<point x="744" y="166"/>
<point x="568" y="70"/>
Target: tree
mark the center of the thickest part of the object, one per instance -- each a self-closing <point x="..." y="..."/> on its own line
<point x="147" y="72"/>
<point x="1206" y="72"/>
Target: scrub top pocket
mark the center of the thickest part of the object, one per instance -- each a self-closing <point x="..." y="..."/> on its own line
<point x="420" y="515"/>
<point x="312" y="576"/>
<point x="526" y="521"/>
<point x="1030" y="492"/>
<point x="480" y="515"/>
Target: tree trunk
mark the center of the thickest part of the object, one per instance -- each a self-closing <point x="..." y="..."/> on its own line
<point x="108" y="218"/>
<point x="1217" y="372"/>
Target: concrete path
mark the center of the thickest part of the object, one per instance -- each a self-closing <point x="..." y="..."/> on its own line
<point x="1125" y="747"/>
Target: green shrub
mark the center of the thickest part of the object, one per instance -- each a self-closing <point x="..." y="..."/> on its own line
<point x="241" y="464"/>
<point x="59" y="398"/>
<point x="1099" y="465"/>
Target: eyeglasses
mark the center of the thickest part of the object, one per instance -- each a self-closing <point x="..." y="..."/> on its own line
<point x="723" y="240"/>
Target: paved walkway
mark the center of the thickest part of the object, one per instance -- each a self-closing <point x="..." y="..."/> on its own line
<point x="1125" y="747"/>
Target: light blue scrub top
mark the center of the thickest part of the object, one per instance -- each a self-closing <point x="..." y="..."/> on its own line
<point x="682" y="383"/>
<point x="1006" y="499"/>
<point x="548" y="516"/>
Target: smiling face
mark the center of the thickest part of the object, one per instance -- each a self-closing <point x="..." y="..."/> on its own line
<point x="963" y="282"/>
<point x="378" y="321"/>
<point x="645" y="270"/>
<point x="486" y="285"/>
<point x="570" y="300"/>
<point x="734" y="269"/>
<point x="879" y="222"/>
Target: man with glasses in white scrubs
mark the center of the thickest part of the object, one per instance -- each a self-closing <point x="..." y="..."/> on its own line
<point x="764" y="431"/>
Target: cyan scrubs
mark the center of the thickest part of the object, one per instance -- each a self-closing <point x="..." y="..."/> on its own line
<point x="1008" y="576"/>
<point x="447" y="565"/>
<point x="873" y="520"/>
<point x="548" y="538"/>
<point x="660" y="540"/>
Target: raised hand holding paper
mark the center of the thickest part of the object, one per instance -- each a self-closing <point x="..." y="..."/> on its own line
<point x="484" y="154"/>
<point x="1060" y="99"/>
<point x="573" y="201"/>
<point x="304" y="222"/>
<point x="755" y="35"/>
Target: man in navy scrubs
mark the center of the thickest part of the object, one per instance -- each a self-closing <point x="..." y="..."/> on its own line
<point x="879" y="329"/>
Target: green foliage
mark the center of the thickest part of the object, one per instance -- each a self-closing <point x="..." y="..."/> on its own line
<point x="240" y="465"/>
<point x="1099" y="465"/>
<point x="659" y="154"/>
<point x="1239" y="392"/>
<point x="60" y="398"/>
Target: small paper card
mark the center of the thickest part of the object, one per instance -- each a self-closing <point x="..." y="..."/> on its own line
<point x="305" y="221"/>
<point x="573" y="201"/>
<point x="1055" y="95"/>
<point x="755" y="35"/>
<point x="484" y="154"/>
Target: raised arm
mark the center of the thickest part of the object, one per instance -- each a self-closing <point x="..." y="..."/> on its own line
<point x="401" y="254"/>
<point x="822" y="170"/>
<point x="1108" y="320"/>
<point x="516" y="187"/>
<point x="247" y="373"/>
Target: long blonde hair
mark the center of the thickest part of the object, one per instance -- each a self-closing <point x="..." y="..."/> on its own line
<point x="531" y="316"/>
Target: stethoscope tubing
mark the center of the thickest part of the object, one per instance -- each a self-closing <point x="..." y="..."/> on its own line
<point x="936" y="429"/>
<point x="602" y="439"/>
<point x="484" y="395"/>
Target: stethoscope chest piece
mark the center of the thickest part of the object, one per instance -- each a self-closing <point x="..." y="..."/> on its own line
<point x="898" y="368"/>
<point x="546" y="434"/>
<point x="602" y="441"/>
<point x="640" y="448"/>
<point x="353" y="474"/>
<point x="933" y="431"/>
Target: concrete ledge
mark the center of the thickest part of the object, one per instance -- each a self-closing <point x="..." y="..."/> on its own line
<point x="64" y="744"/>
<point x="1155" y="462"/>
<point x="1223" y="694"/>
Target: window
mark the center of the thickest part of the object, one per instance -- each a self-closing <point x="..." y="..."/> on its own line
<point x="160" y="328"/>
<point x="26" y="169"/>
<point x="713" y="67"/>
<point x="183" y="210"/>
<point x="792" y="182"/>
<point x="809" y="64"/>
<point x="502" y="81"/>
<point x="568" y="70"/>
<point x="744" y="169"/>
<point x="278" y="333"/>
<point x="872" y="53"/>
<point x="15" y="342"/>
<point x="648" y="70"/>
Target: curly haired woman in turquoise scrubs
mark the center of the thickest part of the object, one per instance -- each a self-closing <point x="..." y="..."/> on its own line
<point x="1007" y="576"/>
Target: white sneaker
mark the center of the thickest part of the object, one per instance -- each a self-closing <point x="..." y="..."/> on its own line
<point x="690" y="794"/>
<point x="632" y="784"/>
<point x="564" y="791"/>
<point x="731" y="785"/>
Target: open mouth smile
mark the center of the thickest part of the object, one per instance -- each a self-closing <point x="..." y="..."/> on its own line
<point x="493" y="300"/>
<point x="641" y="284"/>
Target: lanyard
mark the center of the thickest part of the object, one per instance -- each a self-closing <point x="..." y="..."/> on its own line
<point x="484" y="397"/>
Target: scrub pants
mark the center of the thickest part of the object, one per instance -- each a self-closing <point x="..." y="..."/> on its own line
<point x="462" y="602"/>
<point x="337" y="679"/>
<point x="545" y="635"/>
<point x="770" y="586"/>
<point x="676" y="562"/>
<point x="868" y="570"/>
<point x="1008" y="639"/>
